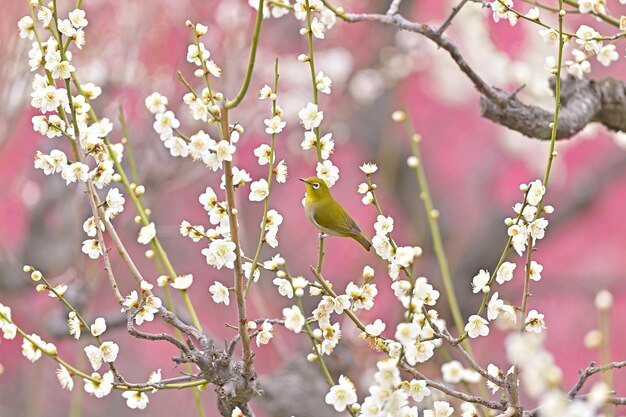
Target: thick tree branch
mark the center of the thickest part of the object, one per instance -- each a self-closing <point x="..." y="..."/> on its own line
<point x="583" y="101"/>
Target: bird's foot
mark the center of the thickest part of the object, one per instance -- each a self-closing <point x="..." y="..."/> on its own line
<point x="322" y="235"/>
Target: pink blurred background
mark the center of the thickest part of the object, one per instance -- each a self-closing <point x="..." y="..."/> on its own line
<point x="474" y="170"/>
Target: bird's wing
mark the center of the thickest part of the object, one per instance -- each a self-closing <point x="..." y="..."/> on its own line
<point x="344" y="224"/>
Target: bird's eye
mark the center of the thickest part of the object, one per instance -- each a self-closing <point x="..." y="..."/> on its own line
<point x="315" y="185"/>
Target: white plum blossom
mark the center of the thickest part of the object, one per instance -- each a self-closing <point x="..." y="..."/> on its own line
<point x="587" y="39"/>
<point x="264" y="153"/>
<point x="550" y="36"/>
<point x="92" y="248"/>
<point x="294" y="320"/>
<point x="452" y="372"/>
<point x="274" y="125"/>
<point x="147" y="233"/>
<point x="197" y="54"/>
<point x="265" y="334"/>
<point x="136" y="399"/>
<point x="98" y="327"/>
<point x="505" y="272"/>
<point x="317" y="28"/>
<point x="75" y="172"/>
<point x="383" y="225"/>
<point x="416" y="389"/>
<point x="441" y="409"/>
<point x="156" y="103"/>
<point x="535" y="322"/>
<point x="165" y="123"/>
<point x="284" y="287"/>
<point x="65" y="378"/>
<point x="328" y="172"/>
<point x="368" y="168"/>
<point x="480" y="281"/>
<point x="341" y="395"/>
<point x="476" y="326"/>
<point x="323" y="82"/>
<point x="259" y="190"/>
<point x="219" y="293"/>
<point x="496" y="306"/>
<point x="114" y="203"/>
<point x="535" y="271"/>
<point x="607" y="54"/>
<point x="310" y="116"/>
<point x="220" y="253"/>
<point x="535" y="193"/>
<point x="376" y="328"/>
<point x="418" y="352"/>
<point x="406" y="332"/>
<point x="281" y="172"/>
<point x="182" y="282"/>
<point x="101" y="386"/>
<point x="265" y="92"/>
<point x="32" y="347"/>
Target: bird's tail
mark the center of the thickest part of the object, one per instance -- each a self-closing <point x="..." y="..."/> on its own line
<point x="363" y="241"/>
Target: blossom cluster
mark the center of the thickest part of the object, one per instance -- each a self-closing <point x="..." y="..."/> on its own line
<point x="588" y="41"/>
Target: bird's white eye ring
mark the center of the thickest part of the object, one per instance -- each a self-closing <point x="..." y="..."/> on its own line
<point x="315" y="185"/>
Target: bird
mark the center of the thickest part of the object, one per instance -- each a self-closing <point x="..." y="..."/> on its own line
<point x="327" y="214"/>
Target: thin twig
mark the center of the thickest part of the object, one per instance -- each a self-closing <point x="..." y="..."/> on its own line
<point x="455" y="10"/>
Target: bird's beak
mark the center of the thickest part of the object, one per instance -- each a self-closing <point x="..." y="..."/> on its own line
<point x="304" y="181"/>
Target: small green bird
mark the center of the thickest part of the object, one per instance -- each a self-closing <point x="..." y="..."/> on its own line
<point x="327" y="214"/>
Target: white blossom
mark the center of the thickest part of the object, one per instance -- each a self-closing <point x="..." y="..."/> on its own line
<point x="220" y="253"/>
<point x="476" y="326"/>
<point x="341" y="395"/>
<point x="182" y="282"/>
<point x="98" y="327"/>
<point x="136" y="399"/>
<point x="328" y="172"/>
<point x="259" y="190"/>
<point x="480" y="281"/>
<point x="310" y="116"/>
<point x="219" y="293"/>
<point x="102" y="385"/>
<point x="147" y="233"/>
<point x="294" y="320"/>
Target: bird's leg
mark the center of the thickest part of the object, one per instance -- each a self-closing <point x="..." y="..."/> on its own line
<point x="322" y="235"/>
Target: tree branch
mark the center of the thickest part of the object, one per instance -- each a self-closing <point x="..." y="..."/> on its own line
<point x="583" y="101"/>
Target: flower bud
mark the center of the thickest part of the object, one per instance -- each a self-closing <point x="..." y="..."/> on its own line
<point x="303" y="58"/>
<point x="299" y="292"/>
<point x="604" y="300"/>
<point x="41" y="288"/>
<point x="548" y="209"/>
<point x="413" y="162"/>
<point x="304" y="31"/>
<point x="36" y="276"/>
<point x="27" y="268"/>
<point x="150" y="254"/>
<point x="317" y="333"/>
<point x="140" y="190"/>
<point x="398" y="116"/>
<point x="311" y="357"/>
<point x="201" y="29"/>
<point x="593" y="339"/>
<point x="251" y="325"/>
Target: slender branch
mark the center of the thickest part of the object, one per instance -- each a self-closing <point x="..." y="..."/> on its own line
<point x="453" y="393"/>
<point x="393" y="7"/>
<point x="234" y="236"/>
<point x="592" y="369"/>
<point x="253" y="46"/>
<point x="455" y="10"/>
